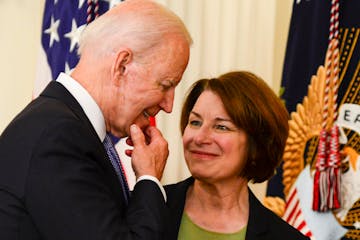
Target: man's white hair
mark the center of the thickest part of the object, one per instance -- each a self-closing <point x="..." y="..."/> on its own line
<point x="135" y="24"/>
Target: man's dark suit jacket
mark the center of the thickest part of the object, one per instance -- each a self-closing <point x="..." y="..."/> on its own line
<point x="56" y="181"/>
<point x="263" y="224"/>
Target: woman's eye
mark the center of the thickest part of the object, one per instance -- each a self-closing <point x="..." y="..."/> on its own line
<point x="221" y="127"/>
<point x="194" y="123"/>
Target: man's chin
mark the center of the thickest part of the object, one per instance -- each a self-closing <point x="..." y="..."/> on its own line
<point x="143" y="124"/>
<point x="120" y="134"/>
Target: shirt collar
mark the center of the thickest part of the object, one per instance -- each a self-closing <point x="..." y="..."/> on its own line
<point x="88" y="104"/>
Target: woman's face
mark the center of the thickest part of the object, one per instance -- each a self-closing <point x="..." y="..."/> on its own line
<point x="214" y="147"/>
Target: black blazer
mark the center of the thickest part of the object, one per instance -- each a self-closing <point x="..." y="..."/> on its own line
<point x="56" y="181"/>
<point x="263" y="224"/>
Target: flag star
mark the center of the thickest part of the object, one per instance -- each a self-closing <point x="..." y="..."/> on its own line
<point x="74" y="34"/>
<point x="112" y="3"/>
<point x="357" y="225"/>
<point x="67" y="69"/>
<point x="81" y="2"/>
<point x="53" y="31"/>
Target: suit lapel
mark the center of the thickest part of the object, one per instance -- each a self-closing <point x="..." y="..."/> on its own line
<point x="57" y="91"/>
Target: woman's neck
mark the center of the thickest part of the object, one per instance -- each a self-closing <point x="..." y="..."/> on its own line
<point x="220" y="207"/>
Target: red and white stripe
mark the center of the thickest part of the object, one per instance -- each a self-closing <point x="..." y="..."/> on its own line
<point x="293" y="213"/>
<point x="89" y="11"/>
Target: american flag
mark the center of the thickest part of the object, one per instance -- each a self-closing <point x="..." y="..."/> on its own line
<point x="308" y="40"/>
<point x="294" y="215"/>
<point x="63" y="23"/>
<point x="299" y="213"/>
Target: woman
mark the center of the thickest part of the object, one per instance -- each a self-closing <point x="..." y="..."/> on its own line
<point x="234" y="131"/>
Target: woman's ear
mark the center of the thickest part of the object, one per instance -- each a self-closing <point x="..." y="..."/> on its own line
<point x="123" y="57"/>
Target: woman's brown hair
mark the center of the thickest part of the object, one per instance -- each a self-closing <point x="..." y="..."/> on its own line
<point x="254" y="108"/>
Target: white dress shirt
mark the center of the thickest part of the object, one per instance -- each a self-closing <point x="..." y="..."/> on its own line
<point x="94" y="114"/>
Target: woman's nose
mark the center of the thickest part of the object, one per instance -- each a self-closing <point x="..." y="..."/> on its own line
<point x="203" y="135"/>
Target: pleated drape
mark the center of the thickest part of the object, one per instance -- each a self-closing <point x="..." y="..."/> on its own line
<point x="228" y="35"/>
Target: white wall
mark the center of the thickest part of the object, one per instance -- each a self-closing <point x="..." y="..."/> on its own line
<point x="228" y="34"/>
<point x="20" y="23"/>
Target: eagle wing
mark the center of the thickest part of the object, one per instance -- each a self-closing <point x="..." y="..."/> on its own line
<point x="315" y="112"/>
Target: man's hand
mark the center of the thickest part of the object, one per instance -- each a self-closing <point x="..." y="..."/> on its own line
<point x="150" y="152"/>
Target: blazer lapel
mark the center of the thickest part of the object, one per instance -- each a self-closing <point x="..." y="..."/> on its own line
<point x="176" y="194"/>
<point x="258" y="224"/>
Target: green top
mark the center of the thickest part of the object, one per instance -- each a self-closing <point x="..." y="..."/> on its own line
<point x="189" y="230"/>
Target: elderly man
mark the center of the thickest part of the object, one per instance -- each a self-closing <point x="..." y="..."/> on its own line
<point x="60" y="177"/>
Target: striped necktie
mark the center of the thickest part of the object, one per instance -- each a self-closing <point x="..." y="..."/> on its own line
<point x="115" y="161"/>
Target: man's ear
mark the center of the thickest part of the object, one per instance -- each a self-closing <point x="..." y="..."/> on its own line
<point x="123" y="57"/>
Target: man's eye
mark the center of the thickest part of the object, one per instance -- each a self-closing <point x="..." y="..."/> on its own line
<point x="165" y="87"/>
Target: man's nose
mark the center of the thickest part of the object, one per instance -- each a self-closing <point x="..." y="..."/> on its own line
<point x="168" y="101"/>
